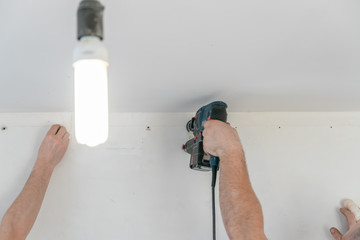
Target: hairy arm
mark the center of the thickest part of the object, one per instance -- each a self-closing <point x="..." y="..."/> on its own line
<point x="240" y="208"/>
<point x="20" y="217"/>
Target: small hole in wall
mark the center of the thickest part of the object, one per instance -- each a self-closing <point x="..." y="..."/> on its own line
<point x="330" y="126"/>
<point x="279" y="127"/>
<point x="3" y="128"/>
<point x="148" y="128"/>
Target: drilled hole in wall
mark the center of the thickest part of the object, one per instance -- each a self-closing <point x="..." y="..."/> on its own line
<point x="148" y="128"/>
<point x="3" y="128"/>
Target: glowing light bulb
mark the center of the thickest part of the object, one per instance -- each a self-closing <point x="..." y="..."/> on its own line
<point x="91" y="91"/>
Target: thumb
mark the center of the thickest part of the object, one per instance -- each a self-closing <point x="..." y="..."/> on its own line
<point x="335" y="233"/>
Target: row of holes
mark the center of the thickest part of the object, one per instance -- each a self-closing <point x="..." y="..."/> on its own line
<point x="147" y="128"/>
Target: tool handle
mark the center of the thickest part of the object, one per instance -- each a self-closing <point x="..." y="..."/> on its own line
<point x="218" y="112"/>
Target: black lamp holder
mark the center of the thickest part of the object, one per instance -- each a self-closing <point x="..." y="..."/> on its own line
<point x="90" y="19"/>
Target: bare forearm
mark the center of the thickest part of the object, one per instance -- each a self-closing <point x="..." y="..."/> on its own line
<point x="240" y="208"/>
<point x="20" y="217"/>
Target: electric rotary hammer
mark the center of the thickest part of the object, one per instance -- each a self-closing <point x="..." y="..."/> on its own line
<point x="199" y="160"/>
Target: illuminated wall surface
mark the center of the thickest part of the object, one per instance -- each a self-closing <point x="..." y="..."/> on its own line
<point x="138" y="185"/>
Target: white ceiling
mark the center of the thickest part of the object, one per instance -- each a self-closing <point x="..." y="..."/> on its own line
<point x="172" y="56"/>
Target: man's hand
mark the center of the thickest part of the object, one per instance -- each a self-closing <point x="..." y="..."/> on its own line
<point x="354" y="227"/>
<point x="53" y="147"/>
<point x="220" y="139"/>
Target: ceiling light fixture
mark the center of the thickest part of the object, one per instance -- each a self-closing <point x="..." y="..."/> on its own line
<point x="90" y="76"/>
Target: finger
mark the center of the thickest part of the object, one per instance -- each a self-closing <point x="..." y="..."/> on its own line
<point x="61" y="132"/>
<point x="349" y="216"/>
<point x="54" y="129"/>
<point x="66" y="136"/>
<point x="210" y="122"/>
<point x="66" y="141"/>
<point x="335" y="233"/>
<point x="353" y="208"/>
<point x="205" y="146"/>
<point x="204" y="133"/>
<point x="207" y="127"/>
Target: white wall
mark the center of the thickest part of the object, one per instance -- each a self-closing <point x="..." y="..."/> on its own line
<point x="138" y="185"/>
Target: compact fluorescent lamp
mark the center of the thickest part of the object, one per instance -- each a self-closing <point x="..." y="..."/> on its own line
<point x="90" y="68"/>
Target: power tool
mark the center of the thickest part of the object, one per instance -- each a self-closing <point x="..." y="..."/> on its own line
<point x="200" y="160"/>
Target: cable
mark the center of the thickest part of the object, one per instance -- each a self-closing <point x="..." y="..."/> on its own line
<point x="213" y="183"/>
<point x="213" y="213"/>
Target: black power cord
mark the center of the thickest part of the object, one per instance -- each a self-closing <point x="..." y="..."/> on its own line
<point x="213" y="183"/>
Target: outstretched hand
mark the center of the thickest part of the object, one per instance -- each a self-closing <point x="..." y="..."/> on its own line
<point x="20" y="217"/>
<point x="54" y="146"/>
<point x="354" y="227"/>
